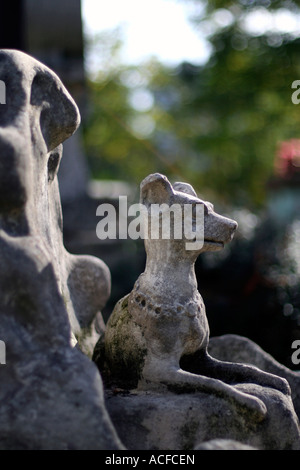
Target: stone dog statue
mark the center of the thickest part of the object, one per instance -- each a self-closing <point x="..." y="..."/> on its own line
<point x="157" y="336"/>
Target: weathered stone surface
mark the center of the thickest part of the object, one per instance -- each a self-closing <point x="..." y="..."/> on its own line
<point x="51" y="395"/>
<point x="166" y="421"/>
<point x="240" y="349"/>
<point x="223" y="444"/>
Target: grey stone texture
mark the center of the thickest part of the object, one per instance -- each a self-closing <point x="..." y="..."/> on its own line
<point x="170" y="421"/>
<point x="223" y="444"/>
<point x="51" y="394"/>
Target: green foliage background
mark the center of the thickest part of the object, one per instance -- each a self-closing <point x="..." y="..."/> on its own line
<point x="217" y="126"/>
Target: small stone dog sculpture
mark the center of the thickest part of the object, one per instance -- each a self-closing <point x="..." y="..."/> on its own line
<point x="157" y="336"/>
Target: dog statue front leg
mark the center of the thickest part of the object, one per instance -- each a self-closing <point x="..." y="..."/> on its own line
<point x="233" y="373"/>
<point x="248" y="373"/>
<point x="180" y="381"/>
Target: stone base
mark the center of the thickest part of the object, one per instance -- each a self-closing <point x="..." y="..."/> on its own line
<point x="166" y="421"/>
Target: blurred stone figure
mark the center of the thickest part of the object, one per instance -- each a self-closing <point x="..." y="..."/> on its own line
<point x="51" y="394"/>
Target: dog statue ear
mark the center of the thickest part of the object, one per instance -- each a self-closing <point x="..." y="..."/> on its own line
<point x="184" y="188"/>
<point x="155" y="189"/>
<point x="59" y="114"/>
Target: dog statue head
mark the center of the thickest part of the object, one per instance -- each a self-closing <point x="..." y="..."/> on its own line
<point x="186" y="223"/>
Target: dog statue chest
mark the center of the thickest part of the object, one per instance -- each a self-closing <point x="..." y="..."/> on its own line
<point x="180" y="324"/>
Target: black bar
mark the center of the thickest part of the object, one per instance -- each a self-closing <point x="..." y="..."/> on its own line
<point x="12" y="25"/>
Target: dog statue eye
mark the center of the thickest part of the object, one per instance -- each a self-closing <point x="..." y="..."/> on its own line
<point x="53" y="164"/>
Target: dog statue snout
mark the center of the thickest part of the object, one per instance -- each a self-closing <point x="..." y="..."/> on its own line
<point x="232" y="228"/>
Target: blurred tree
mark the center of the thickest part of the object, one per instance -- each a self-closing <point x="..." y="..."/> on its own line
<point x="118" y="132"/>
<point x="234" y="111"/>
<point x="217" y="126"/>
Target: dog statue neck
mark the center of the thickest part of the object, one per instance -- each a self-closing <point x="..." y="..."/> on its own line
<point x="168" y="273"/>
